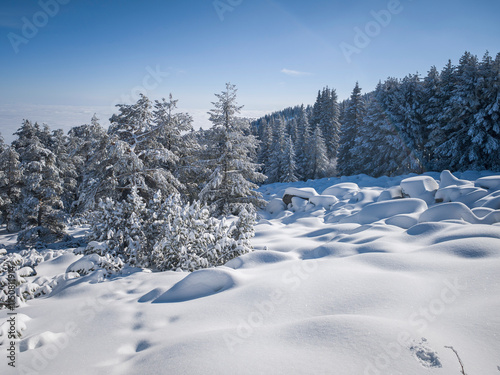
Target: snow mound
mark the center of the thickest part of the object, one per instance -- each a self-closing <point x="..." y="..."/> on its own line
<point x="276" y="205"/>
<point x="152" y="295"/>
<point x="85" y="265"/>
<point x="257" y="258"/>
<point x="457" y="211"/>
<point x="468" y="194"/>
<point x="422" y="187"/>
<point x="26" y="271"/>
<point x="45" y="338"/>
<point x="326" y="201"/>
<point x="199" y="284"/>
<point x="344" y="190"/>
<point x="489" y="201"/>
<point x="386" y="209"/>
<point x="467" y="248"/>
<point x="304" y="193"/>
<point x="394" y="192"/>
<point x="402" y="221"/>
<point x="21" y="320"/>
<point x="489" y="182"/>
<point x="364" y="197"/>
<point x="447" y="179"/>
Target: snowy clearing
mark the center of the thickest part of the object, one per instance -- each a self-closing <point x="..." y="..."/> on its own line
<point x="370" y="277"/>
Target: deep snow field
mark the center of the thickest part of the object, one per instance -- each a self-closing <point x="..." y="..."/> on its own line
<point x="354" y="280"/>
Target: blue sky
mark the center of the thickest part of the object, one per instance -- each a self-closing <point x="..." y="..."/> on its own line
<point x="88" y="55"/>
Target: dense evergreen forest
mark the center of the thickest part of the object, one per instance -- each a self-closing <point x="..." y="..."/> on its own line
<point x="449" y="119"/>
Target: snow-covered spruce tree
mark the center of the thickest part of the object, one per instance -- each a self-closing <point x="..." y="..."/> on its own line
<point x="315" y="116"/>
<point x="352" y="122"/>
<point x="291" y="129"/>
<point x="378" y="147"/>
<point x="133" y="155"/>
<point x="276" y="162"/>
<point x="303" y="137"/>
<point x="266" y="146"/>
<point x="408" y="117"/>
<point x="431" y="108"/>
<point x="175" y="134"/>
<point x="87" y="149"/>
<point x="290" y="173"/>
<point x="460" y="110"/>
<point x="59" y="145"/>
<point x="40" y="209"/>
<point x="406" y="160"/>
<point x="233" y="174"/>
<point x="10" y="185"/>
<point x="439" y="122"/>
<point x="317" y="160"/>
<point x="329" y="121"/>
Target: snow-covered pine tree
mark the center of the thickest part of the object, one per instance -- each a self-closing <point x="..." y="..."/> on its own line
<point x="59" y="145"/>
<point x="303" y="137"/>
<point x="396" y="111"/>
<point x="276" y="162"/>
<point x="460" y="109"/>
<point x="439" y="119"/>
<point x="266" y="146"/>
<point x="289" y="164"/>
<point x="352" y="121"/>
<point x="231" y="185"/>
<point x="378" y="147"/>
<point x="40" y="209"/>
<point x="431" y="108"/>
<point x="10" y="186"/>
<point x="329" y="121"/>
<point x="291" y="129"/>
<point x="87" y="148"/>
<point x="406" y="113"/>
<point x="174" y="132"/>
<point x="132" y="154"/>
<point x="315" y="116"/>
<point x="317" y="161"/>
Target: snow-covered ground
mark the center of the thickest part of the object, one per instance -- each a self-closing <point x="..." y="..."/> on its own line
<point x="357" y="280"/>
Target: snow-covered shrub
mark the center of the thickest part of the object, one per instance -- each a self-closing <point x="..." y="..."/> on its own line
<point x="167" y="234"/>
<point x="20" y="265"/>
<point x="119" y="226"/>
<point x="93" y="262"/>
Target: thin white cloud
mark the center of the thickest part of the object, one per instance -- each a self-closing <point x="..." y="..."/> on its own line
<point x="294" y="73"/>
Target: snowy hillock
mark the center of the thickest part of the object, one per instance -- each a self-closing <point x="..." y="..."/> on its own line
<point x="474" y="201"/>
<point x="355" y="275"/>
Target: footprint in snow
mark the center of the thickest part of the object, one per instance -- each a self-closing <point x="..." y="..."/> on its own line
<point x="142" y="345"/>
<point x="425" y="355"/>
